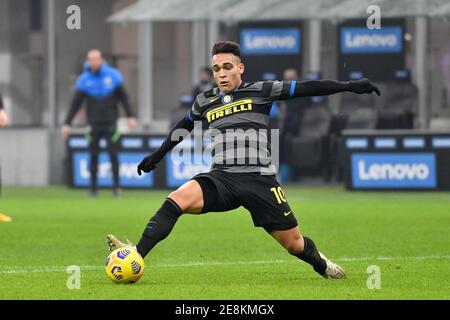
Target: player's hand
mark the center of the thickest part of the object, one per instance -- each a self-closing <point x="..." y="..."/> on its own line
<point x="132" y="123"/>
<point x="65" y="131"/>
<point x="3" y="119"/>
<point x="363" y="86"/>
<point x="147" y="164"/>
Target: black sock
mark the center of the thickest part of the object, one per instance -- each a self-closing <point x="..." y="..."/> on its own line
<point x="311" y="255"/>
<point x="159" y="227"/>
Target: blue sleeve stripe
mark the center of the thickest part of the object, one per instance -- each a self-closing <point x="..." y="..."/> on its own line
<point x="189" y="116"/>
<point x="291" y="92"/>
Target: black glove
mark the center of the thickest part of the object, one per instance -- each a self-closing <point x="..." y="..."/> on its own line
<point x="148" y="163"/>
<point x="363" y="86"/>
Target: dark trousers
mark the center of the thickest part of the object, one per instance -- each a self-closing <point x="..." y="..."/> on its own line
<point x="111" y="137"/>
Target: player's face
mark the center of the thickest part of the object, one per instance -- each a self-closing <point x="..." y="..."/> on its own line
<point x="227" y="70"/>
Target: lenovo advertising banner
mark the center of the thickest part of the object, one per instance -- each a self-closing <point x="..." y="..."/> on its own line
<point x="172" y="172"/>
<point x="270" y="48"/>
<point x="397" y="160"/>
<point x="400" y="170"/>
<point x="374" y="53"/>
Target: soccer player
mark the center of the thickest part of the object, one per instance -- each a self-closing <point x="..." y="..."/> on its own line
<point x="102" y="88"/>
<point x="3" y="116"/>
<point x="236" y="104"/>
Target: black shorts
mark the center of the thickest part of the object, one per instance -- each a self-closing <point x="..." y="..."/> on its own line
<point x="259" y="194"/>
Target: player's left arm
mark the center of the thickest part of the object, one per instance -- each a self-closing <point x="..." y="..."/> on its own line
<point x="283" y="90"/>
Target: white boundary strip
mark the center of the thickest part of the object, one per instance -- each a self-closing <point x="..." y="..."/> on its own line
<point x="53" y="269"/>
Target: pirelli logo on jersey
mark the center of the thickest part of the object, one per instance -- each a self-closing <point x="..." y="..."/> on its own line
<point x="228" y="109"/>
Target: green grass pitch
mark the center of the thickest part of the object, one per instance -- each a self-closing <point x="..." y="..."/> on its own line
<point x="221" y="255"/>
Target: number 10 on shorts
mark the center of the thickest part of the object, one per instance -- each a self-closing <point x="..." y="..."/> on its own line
<point x="279" y="194"/>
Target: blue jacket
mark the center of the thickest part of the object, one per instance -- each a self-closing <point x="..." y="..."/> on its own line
<point x="102" y="90"/>
<point x="99" y="84"/>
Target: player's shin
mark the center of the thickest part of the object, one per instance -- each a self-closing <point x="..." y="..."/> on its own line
<point x="159" y="226"/>
<point x="311" y="255"/>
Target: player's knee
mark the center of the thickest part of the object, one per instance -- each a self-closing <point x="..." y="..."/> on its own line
<point x="189" y="197"/>
<point x="295" y="246"/>
<point x="182" y="199"/>
<point x="177" y="197"/>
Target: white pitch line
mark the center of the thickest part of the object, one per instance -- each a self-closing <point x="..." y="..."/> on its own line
<point x="219" y="263"/>
<point x="12" y="270"/>
<point x="435" y="257"/>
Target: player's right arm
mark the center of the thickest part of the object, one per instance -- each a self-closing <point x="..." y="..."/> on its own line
<point x="187" y="123"/>
<point x="74" y="107"/>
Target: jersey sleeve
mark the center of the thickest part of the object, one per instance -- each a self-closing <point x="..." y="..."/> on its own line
<point x="195" y="113"/>
<point x="279" y="90"/>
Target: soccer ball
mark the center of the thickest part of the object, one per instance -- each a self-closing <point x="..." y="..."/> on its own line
<point x="124" y="265"/>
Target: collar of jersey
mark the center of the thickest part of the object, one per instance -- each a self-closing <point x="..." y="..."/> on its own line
<point x="235" y="90"/>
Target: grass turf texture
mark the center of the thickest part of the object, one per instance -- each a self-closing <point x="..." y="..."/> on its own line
<point x="221" y="255"/>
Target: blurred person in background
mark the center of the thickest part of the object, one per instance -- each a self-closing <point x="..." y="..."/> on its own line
<point x="206" y="82"/>
<point x="101" y="87"/>
<point x="185" y="103"/>
<point x="3" y="116"/>
<point x="3" y="124"/>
